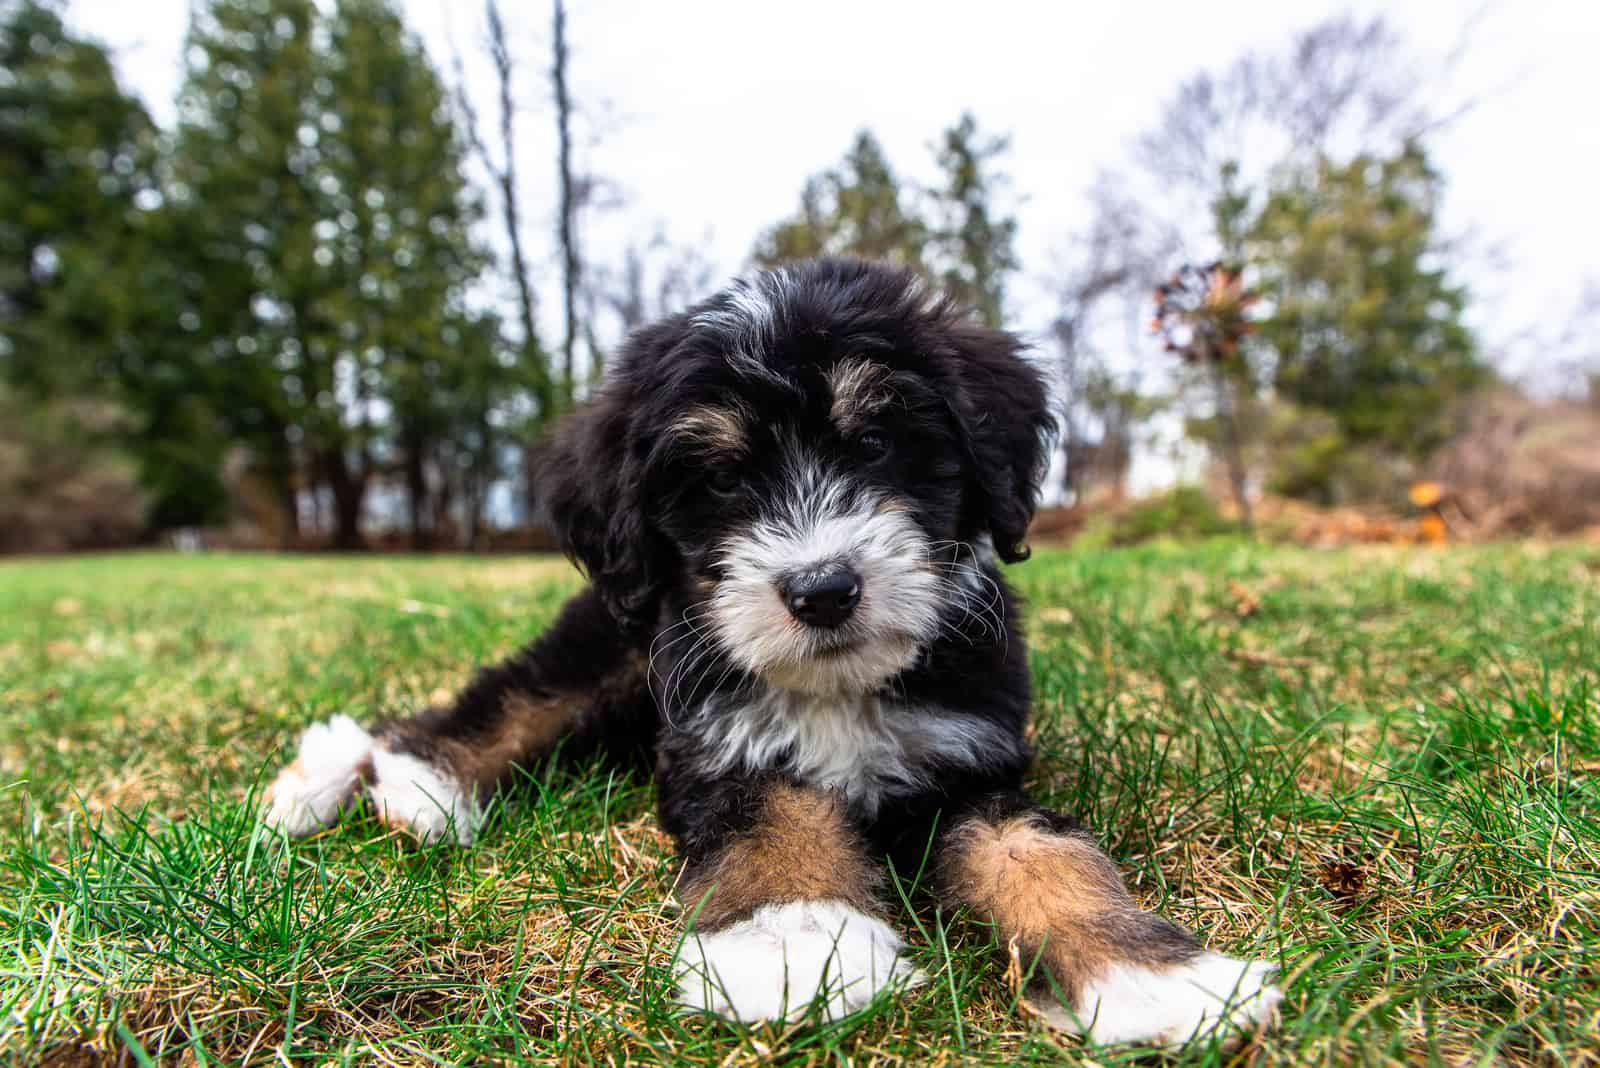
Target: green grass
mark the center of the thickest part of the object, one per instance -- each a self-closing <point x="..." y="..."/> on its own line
<point x="1377" y="767"/>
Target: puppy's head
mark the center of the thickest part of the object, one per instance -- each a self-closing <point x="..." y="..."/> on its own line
<point x="801" y="464"/>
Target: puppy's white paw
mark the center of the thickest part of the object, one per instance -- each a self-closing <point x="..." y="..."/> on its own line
<point x="1169" y="1006"/>
<point x="773" y="965"/>
<point x="413" y="795"/>
<point x="309" y="794"/>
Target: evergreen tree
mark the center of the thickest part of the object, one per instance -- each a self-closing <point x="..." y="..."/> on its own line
<point x="403" y="253"/>
<point x="75" y="156"/>
<point x="319" y="162"/>
<point x="976" y="244"/>
<point x="954" y="235"/>
<point x="1365" y="323"/>
<point x="92" y="271"/>
<point x="246" y="185"/>
<point x="856" y="209"/>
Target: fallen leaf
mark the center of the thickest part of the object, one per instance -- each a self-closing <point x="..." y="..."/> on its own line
<point x="1342" y="879"/>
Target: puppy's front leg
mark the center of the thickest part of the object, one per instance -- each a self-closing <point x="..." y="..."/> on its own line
<point x="580" y="686"/>
<point x="782" y="893"/>
<point x="1126" y="975"/>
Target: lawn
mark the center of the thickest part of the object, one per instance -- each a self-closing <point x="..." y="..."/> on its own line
<point x="1377" y="767"/>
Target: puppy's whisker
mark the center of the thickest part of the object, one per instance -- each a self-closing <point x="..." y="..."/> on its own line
<point x="960" y="593"/>
<point x="699" y="652"/>
<point x="977" y="573"/>
<point x="957" y="597"/>
<point x="697" y="636"/>
<point x="659" y="647"/>
<point x="720" y="680"/>
<point x="700" y="679"/>
<point x="674" y="681"/>
<point x="687" y="621"/>
<point x="700" y="610"/>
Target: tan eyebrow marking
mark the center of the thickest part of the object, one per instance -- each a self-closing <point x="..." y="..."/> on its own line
<point x="856" y="393"/>
<point x="716" y="426"/>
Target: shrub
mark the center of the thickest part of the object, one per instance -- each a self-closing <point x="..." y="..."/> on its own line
<point x="62" y="486"/>
<point x="1185" y="513"/>
<point x="1307" y="457"/>
<point x="1520" y="466"/>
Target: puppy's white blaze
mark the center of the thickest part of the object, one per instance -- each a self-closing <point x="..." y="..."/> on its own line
<point x="309" y="794"/>
<point x="749" y="319"/>
<point x="409" y="792"/>
<point x="1170" y="1006"/>
<point x="824" y="522"/>
<point x="774" y="965"/>
<point x="866" y="748"/>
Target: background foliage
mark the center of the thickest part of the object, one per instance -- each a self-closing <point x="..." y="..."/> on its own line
<point x="311" y="302"/>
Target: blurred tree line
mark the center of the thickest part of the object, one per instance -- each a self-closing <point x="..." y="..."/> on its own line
<point x="279" y="305"/>
<point x="1280" y="220"/>
<point x="1277" y="228"/>
<point x="276" y="306"/>
<point x="285" y="279"/>
<point x="957" y="233"/>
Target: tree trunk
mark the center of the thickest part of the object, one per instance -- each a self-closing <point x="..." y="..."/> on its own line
<point x="570" y="262"/>
<point x="511" y="209"/>
<point x="443" y="502"/>
<point x="417" y="493"/>
<point x="278" y="469"/>
<point x="474" y="490"/>
<point x="290" y="496"/>
<point x="473" y="507"/>
<point x="1232" y="448"/>
<point x="349" y="494"/>
<point x="1073" y="454"/>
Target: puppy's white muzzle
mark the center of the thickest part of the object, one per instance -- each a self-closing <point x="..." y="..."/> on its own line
<point x="832" y="592"/>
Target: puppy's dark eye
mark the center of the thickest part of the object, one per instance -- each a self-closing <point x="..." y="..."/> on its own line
<point x="724" y="481"/>
<point x="873" y="445"/>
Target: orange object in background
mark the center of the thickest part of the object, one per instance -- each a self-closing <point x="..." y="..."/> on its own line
<point x="1429" y="496"/>
<point x="1426" y="494"/>
<point x="1433" y="529"/>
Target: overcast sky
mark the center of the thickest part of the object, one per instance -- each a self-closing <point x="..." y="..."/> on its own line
<point x="719" y="110"/>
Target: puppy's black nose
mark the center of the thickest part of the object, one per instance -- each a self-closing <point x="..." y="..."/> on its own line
<point x="822" y="598"/>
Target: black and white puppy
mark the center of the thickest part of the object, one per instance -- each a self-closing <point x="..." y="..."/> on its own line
<point x="790" y="502"/>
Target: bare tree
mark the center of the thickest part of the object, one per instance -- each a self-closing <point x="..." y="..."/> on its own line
<point x="1106" y="277"/>
<point x="503" y="173"/>
<point x="1341" y="84"/>
<point x="655" y="279"/>
<point x="1564" y="361"/>
<point x="1185" y="196"/>
<point x="571" y="262"/>
<point x="1074" y="365"/>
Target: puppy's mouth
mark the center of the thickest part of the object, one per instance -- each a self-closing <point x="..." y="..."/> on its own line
<point x="857" y="663"/>
<point x="833" y="648"/>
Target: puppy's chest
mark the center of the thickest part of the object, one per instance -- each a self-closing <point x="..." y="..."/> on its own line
<point x="867" y="747"/>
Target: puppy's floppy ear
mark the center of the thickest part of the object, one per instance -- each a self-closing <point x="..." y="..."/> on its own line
<point x="591" y="489"/>
<point x="1002" y="408"/>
